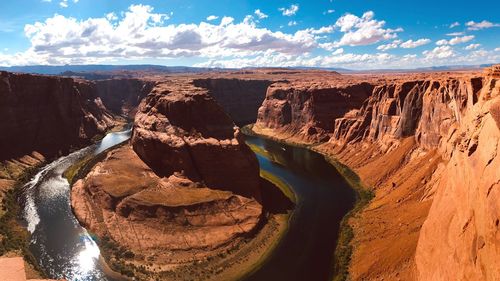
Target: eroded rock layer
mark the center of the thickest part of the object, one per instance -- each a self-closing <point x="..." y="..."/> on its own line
<point x="47" y="114"/>
<point x="186" y="185"/>
<point x="427" y="144"/>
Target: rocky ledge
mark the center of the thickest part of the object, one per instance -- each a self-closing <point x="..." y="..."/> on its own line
<point x="185" y="188"/>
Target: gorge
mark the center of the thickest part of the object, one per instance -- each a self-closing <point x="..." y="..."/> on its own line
<point x="187" y="186"/>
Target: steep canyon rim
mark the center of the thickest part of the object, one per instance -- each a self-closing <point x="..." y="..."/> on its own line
<point x="383" y="127"/>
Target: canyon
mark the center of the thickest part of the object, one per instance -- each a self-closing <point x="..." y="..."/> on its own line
<point x="425" y="144"/>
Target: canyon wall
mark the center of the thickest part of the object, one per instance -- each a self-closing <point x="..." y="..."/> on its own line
<point x="427" y="145"/>
<point x="122" y="96"/>
<point x="48" y="114"/>
<point x="186" y="177"/>
<point x="240" y="98"/>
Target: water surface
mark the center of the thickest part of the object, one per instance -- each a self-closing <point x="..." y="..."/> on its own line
<point x="324" y="197"/>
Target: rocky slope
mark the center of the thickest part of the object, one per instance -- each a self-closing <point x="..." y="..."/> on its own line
<point x="187" y="186"/>
<point x="427" y="144"/>
<point x="47" y="114"/>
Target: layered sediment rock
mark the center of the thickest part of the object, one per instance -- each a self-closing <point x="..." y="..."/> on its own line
<point x="306" y="110"/>
<point x="47" y="114"/>
<point x="427" y="144"/>
<point x="186" y="187"/>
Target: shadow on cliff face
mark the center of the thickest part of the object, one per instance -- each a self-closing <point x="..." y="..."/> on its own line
<point x="240" y="98"/>
<point x="273" y="200"/>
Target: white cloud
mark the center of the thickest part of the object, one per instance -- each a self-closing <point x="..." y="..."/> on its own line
<point x="497" y="49"/>
<point x="389" y="46"/>
<point x="330" y="11"/>
<point x="338" y="51"/>
<point x="292" y="10"/>
<point x="472" y="46"/>
<point x="140" y="33"/>
<point x="260" y="14"/>
<point x="455" y="24"/>
<point x="455" y="40"/>
<point x="440" y="52"/>
<point x="292" y="23"/>
<point x="63" y="3"/>
<point x="363" y="30"/>
<point x="212" y="17"/>
<point x="413" y="44"/>
<point x="471" y="25"/>
<point x="455" y="34"/>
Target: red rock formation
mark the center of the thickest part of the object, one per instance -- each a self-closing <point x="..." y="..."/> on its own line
<point x="47" y="114"/>
<point x="188" y="189"/>
<point x="185" y="131"/>
<point x="307" y="110"/>
<point x="122" y="96"/>
<point x="412" y="139"/>
<point x="240" y="98"/>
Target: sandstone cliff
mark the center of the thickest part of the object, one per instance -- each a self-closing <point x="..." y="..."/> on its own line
<point x="240" y="98"/>
<point x="122" y="96"/>
<point x="47" y="114"/>
<point x="427" y="144"/>
<point x="186" y="188"/>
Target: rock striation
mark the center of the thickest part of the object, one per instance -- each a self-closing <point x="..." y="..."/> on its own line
<point x="185" y="188"/>
<point x="427" y="144"/>
<point x="48" y="114"/>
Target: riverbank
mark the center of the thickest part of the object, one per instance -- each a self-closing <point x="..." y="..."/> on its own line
<point x="344" y="248"/>
<point x="14" y="237"/>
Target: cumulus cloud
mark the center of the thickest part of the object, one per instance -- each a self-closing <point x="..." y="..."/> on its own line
<point x="455" y="40"/>
<point x="212" y="17"/>
<point x="455" y="24"/>
<point x="472" y="46"/>
<point x="330" y="11"/>
<point x="142" y="33"/>
<point x="292" y="23"/>
<point x="405" y="45"/>
<point x="260" y="14"/>
<point x="471" y="25"/>
<point x="389" y="46"/>
<point x="497" y="49"/>
<point x="440" y="52"/>
<point x="292" y="10"/>
<point x="413" y="44"/>
<point x="364" y="30"/>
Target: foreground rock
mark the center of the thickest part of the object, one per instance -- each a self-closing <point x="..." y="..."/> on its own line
<point x="186" y="188"/>
<point x="427" y="144"/>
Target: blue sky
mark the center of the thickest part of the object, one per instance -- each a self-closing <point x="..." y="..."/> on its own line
<point x="358" y="34"/>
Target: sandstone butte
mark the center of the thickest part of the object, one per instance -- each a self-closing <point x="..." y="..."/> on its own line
<point x="185" y="188"/>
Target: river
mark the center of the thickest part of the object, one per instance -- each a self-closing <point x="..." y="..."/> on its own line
<point x="64" y="249"/>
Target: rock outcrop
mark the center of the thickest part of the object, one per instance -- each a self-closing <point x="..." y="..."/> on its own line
<point x="306" y="111"/>
<point x="427" y="144"/>
<point x="48" y="114"/>
<point x="186" y="188"/>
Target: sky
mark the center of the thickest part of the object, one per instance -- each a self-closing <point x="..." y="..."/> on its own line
<point x="355" y="34"/>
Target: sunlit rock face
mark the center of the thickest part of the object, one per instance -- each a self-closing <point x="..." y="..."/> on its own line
<point x="428" y="146"/>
